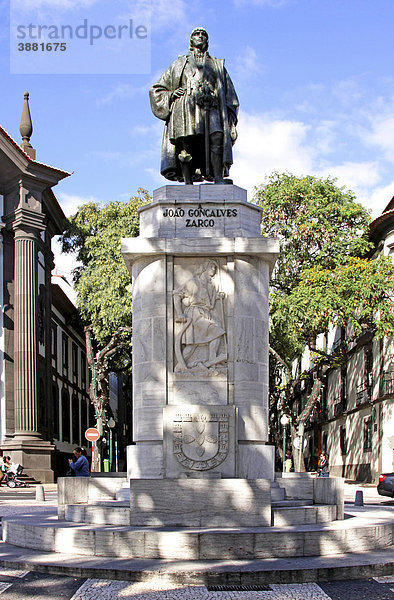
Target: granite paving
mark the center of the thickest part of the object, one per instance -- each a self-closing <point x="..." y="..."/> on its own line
<point x="95" y="589"/>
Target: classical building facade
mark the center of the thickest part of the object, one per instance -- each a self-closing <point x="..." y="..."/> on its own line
<point x="44" y="377"/>
<point x="31" y="216"/>
<point x="69" y="401"/>
<point x="354" y="421"/>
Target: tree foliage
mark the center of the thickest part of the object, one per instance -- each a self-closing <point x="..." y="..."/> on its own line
<point x="323" y="277"/>
<point x="103" y="286"/>
<point x="102" y="281"/>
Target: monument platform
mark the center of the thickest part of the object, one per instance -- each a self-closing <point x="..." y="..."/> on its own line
<point x="360" y="563"/>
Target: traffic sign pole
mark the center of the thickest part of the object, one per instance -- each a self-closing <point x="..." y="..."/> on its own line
<point x="92" y="435"/>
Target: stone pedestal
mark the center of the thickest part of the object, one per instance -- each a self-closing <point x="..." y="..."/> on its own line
<point x="200" y="273"/>
<point x="34" y="455"/>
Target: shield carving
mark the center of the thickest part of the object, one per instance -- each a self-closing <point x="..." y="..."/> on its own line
<point x="200" y="441"/>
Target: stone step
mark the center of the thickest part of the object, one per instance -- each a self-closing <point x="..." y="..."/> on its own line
<point x="47" y="534"/>
<point x="102" y="513"/>
<point x="302" y="515"/>
<point x="283" y="513"/>
<point x="123" y="494"/>
<point x="277" y="494"/>
<point x="290" y="503"/>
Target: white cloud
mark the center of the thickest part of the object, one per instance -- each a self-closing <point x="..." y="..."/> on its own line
<point x="59" y="5"/>
<point x="348" y="91"/>
<point x="382" y="135"/>
<point x="64" y="263"/>
<point x="378" y="199"/>
<point x="247" y="64"/>
<point x="122" y="91"/>
<point x="70" y="203"/>
<point x="164" y="14"/>
<point x="266" y="144"/>
<point x="354" y="175"/>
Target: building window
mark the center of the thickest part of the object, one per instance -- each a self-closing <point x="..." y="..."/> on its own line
<point x="342" y="439"/>
<point x="65" y="352"/>
<point x="75" y="362"/>
<point x="344" y="386"/>
<point x="42" y="407"/>
<point x="368" y="433"/>
<point x="54" y="341"/>
<point x="83" y="371"/>
<point x="368" y="370"/>
<point x="339" y="338"/>
<point x="55" y="404"/>
<point x="75" y="419"/>
<point x="66" y="415"/>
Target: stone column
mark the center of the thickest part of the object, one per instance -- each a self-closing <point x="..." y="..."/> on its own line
<point x="25" y="335"/>
<point x="27" y="446"/>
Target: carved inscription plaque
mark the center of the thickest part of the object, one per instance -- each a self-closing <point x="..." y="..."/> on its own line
<point x="199" y="438"/>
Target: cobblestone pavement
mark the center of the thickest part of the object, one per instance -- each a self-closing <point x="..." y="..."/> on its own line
<point x="94" y="589"/>
<point x="20" y="585"/>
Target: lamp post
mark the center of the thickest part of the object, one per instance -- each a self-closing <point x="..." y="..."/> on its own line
<point x="111" y="425"/>
<point x="284" y="420"/>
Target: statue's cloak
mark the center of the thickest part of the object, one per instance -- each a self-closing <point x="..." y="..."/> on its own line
<point x="160" y="98"/>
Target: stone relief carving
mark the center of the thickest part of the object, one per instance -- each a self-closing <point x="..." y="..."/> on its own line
<point x="194" y="396"/>
<point x="201" y="440"/>
<point x="200" y="334"/>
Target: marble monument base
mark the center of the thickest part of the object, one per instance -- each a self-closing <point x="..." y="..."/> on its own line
<point x="200" y="502"/>
<point x="254" y="461"/>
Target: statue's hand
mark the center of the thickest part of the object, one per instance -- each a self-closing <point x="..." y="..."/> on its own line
<point x="180" y="319"/>
<point x="221" y="295"/>
<point x="178" y="93"/>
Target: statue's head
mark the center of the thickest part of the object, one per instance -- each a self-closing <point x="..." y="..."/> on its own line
<point x="199" y="39"/>
<point x="210" y="267"/>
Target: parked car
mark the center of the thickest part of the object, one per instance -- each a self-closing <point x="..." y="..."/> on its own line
<point x="386" y="485"/>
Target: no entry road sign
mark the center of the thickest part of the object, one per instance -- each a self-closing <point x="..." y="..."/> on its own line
<point x="92" y="434"/>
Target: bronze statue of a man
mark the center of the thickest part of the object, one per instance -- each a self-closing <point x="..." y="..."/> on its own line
<point x="197" y="100"/>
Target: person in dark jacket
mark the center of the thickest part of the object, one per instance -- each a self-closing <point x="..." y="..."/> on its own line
<point x="322" y="466"/>
<point x="81" y="465"/>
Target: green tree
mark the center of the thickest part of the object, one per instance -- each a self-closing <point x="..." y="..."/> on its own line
<point x="103" y="288"/>
<point x="323" y="277"/>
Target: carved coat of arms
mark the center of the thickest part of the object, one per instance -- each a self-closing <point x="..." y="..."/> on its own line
<point x="201" y="440"/>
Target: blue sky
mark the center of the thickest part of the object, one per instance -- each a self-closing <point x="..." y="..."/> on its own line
<point x="314" y="77"/>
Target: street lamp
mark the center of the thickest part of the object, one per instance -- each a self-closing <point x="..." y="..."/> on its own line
<point x="111" y="425"/>
<point x="284" y="420"/>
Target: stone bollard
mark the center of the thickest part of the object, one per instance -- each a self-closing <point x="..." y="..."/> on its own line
<point x="40" y="495"/>
<point x="359" y="499"/>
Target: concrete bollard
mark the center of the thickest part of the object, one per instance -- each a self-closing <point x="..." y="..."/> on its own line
<point x="40" y="495"/>
<point x="359" y="499"/>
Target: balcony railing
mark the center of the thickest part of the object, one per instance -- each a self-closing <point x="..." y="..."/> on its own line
<point x="388" y="383"/>
<point x="363" y="394"/>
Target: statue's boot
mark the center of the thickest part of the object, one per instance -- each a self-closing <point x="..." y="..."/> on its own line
<point x="185" y="160"/>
